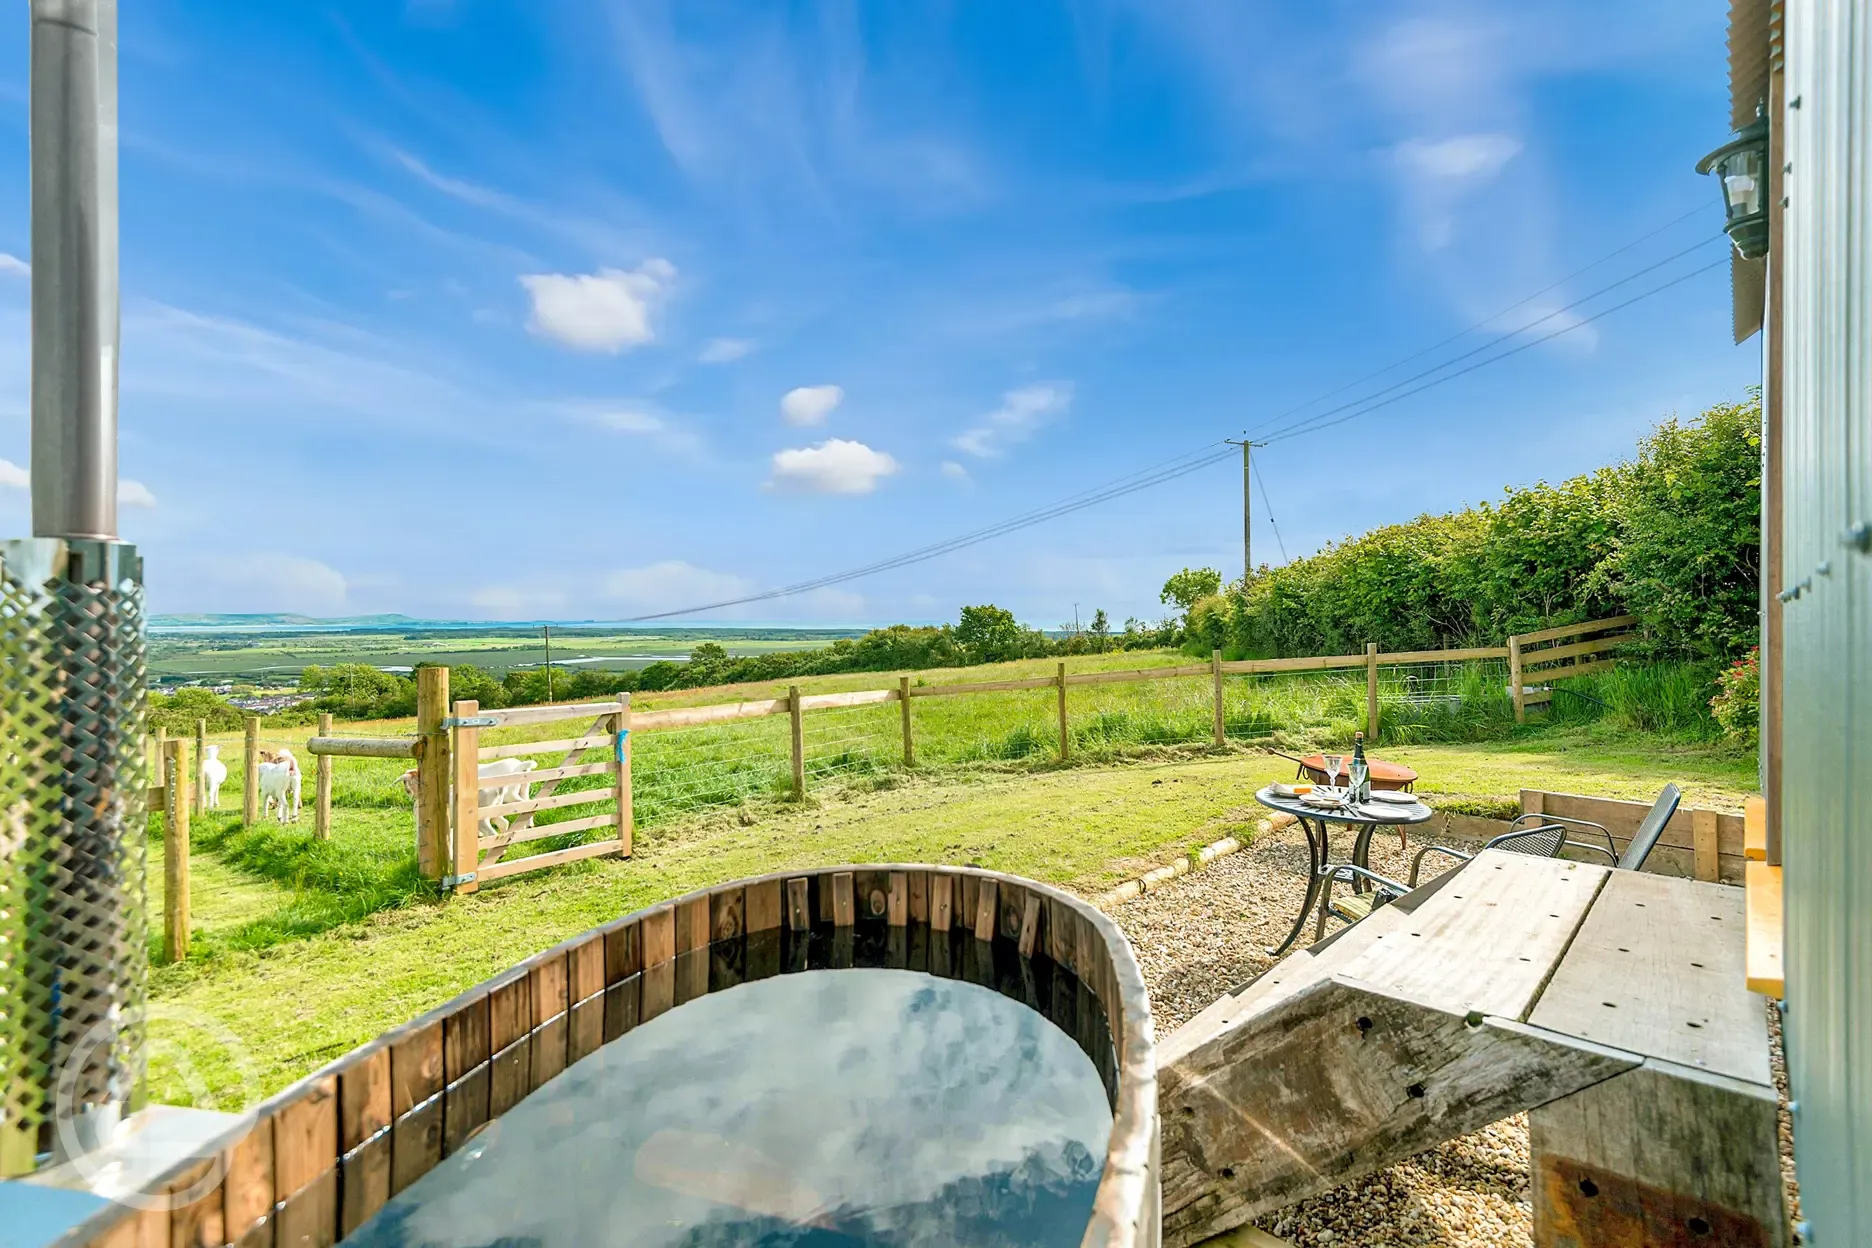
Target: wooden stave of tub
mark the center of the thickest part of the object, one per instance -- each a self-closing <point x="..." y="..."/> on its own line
<point x="313" y="1162"/>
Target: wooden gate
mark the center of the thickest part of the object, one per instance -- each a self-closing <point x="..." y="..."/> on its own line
<point x="479" y="857"/>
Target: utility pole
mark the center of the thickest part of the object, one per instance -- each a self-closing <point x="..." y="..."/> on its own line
<point x="548" y="629"/>
<point x="1247" y="516"/>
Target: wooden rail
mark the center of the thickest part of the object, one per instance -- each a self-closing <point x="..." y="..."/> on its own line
<point x="365" y="747"/>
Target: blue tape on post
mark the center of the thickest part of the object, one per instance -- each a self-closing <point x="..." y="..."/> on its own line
<point x="620" y="744"/>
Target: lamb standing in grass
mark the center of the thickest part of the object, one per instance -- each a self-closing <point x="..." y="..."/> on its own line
<point x="497" y="796"/>
<point x="214" y="775"/>
<point x="279" y="781"/>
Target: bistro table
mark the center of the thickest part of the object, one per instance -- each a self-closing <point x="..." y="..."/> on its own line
<point x="1315" y="821"/>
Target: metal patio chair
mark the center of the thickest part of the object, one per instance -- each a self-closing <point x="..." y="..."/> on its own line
<point x="1544" y="828"/>
<point x="1544" y="842"/>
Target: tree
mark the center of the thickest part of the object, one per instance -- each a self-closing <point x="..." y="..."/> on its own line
<point x="988" y="633"/>
<point x="709" y="654"/>
<point x="1190" y="586"/>
<point x="1101" y="630"/>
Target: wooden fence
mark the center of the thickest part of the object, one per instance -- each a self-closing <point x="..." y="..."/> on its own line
<point x="446" y="752"/>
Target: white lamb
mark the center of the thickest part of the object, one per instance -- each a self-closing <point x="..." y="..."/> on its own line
<point x="214" y="775"/>
<point x="499" y="795"/>
<point x="275" y="782"/>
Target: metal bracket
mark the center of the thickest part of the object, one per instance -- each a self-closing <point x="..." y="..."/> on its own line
<point x="471" y="721"/>
<point x="1859" y="537"/>
<point x="453" y="881"/>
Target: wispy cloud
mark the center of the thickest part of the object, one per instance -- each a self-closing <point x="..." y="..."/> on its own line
<point x="810" y="405"/>
<point x="14" y="265"/>
<point x="1020" y="416"/>
<point x="632" y="417"/>
<point x="133" y="493"/>
<point x="835" y="466"/>
<point x="670" y="585"/>
<point x="13" y="476"/>
<point x="723" y="350"/>
<point x="609" y="311"/>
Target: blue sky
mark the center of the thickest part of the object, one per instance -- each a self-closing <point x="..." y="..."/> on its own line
<point x="591" y="308"/>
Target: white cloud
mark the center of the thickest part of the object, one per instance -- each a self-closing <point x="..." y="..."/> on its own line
<point x="14" y="265"/>
<point x="810" y="405"/>
<point x="1019" y="417"/>
<point x="672" y="585"/>
<point x="258" y="582"/>
<point x="134" y="494"/>
<point x="723" y="350"/>
<point x="610" y="310"/>
<point x="14" y="477"/>
<point x="956" y="472"/>
<point x="637" y="418"/>
<point x="835" y="466"/>
<point x="512" y="600"/>
<point x="1464" y="157"/>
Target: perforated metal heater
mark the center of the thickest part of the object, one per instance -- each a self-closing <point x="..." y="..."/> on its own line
<point x="72" y="826"/>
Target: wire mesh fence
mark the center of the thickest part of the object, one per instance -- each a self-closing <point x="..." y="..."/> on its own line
<point x="1444" y="700"/>
<point x="850" y="744"/>
<point x="680" y="771"/>
<point x="1003" y="727"/>
<point x="1145" y="712"/>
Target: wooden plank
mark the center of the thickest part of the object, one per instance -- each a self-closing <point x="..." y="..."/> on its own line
<point x="364" y="1098"/>
<point x="514" y="866"/>
<point x="534" y="805"/>
<point x="1755" y="829"/>
<point x="764" y="906"/>
<point x="322" y="785"/>
<point x="1538" y="658"/>
<point x="247" y="1188"/>
<point x="325" y="745"/>
<point x="1658" y="1155"/>
<point x="1030" y="925"/>
<point x="521" y="749"/>
<point x="542" y="832"/>
<point x="843" y="913"/>
<point x="1763" y="957"/>
<point x="175" y="851"/>
<point x="433" y="773"/>
<point x="897" y="905"/>
<point x="1576" y="630"/>
<point x="692" y="924"/>
<point x="1653" y="972"/>
<point x="727" y="914"/>
<point x="659" y="936"/>
<point x="861" y="697"/>
<point x="1138" y="673"/>
<point x="540" y="775"/>
<point x="1371" y="692"/>
<point x="1338" y="1081"/>
<point x="942" y="901"/>
<point x="1489" y="940"/>
<point x="1517" y="683"/>
<point x="1218" y="726"/>
<point x="1316" y="663"/>
<point x="305" y="1136"/>
<point x="517" y="716"/>
<point x="1536" y="697"/>
<point x="909" y="742"/>
<point x="1703" y="831"/>
<point x="250" y="771"/>
<point x="986" y="908"/>
<point x="1621" y="818"/>
<point x="201" y="756"/>
<point x="464" y="750"/>
<point x="416" y="1067"/>
<point x="622" y="761"/>
<point x="799" y="916"/>
<point x="522" y="822"/>
<point x="697" y="716"/>
<point x="983" y="686"/>
<point x="1471" y="654"/>
<point x="919" y="898"/>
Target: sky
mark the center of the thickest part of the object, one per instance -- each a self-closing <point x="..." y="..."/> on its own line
<point x="591" y="309"/>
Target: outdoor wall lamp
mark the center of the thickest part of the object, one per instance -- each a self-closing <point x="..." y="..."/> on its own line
<point x="1741" y="168"/>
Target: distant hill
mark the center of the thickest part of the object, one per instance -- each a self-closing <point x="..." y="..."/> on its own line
<point x="281" y="621"/>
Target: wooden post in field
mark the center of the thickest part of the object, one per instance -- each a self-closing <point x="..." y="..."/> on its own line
<point x="466" y="749"/>
<point x="159" y="752"/>
<point x="1065" y="732"/>
<point x="903" y="698"/>
<point x="1514" y="680"/>
<point x="175" y="851"/>
<point x="1371" y="692"/>
<point x="321" y="801"/>
<point x="621" y="726"/>
<point x="250" y="772"/>
<point x="799" y="741"/>
<point x="433" y="773"/>
<point x="1215" y="676"/>
<point x="201" y="756"/>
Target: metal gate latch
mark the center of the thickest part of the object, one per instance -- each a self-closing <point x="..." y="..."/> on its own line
<point x="471" y="721"/>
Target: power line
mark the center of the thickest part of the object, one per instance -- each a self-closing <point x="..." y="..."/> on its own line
<point x="1193" y="461"/>
<point x="1496" y="359"/>
<point x="1268" y="502"/>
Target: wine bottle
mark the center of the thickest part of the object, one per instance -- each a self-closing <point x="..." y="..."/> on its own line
<point x="1361" y="770"/>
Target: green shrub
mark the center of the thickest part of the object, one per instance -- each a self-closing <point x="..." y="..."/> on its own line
<point x="1737" y="704"/>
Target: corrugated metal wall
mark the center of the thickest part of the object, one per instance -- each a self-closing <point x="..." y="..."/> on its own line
<point x="1826" y="268"/>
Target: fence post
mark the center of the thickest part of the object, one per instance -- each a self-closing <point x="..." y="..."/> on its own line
<point x="621" y="725"/>
<point x="159" y="745"/>
<point x="1065" y="744"/>
<point x="466" y="748"/>
<point x="903" y="697"/>
<point x="799" y="741"/>
<point x="250" y="773"/>
<point x="1215" y="675"/>
<point x="433" y="773"/>
<point x="201" y="756"/>
<point x="1371" y="692"/>
<point x="175" y="851"/>
<point x="321" y="801"/>
<point x="1514" y="680"/>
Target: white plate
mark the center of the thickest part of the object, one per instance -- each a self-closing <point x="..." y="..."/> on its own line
<point x="1394" y="795"/>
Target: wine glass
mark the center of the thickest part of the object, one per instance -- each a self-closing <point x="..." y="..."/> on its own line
<point x="1333" y="762"/>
